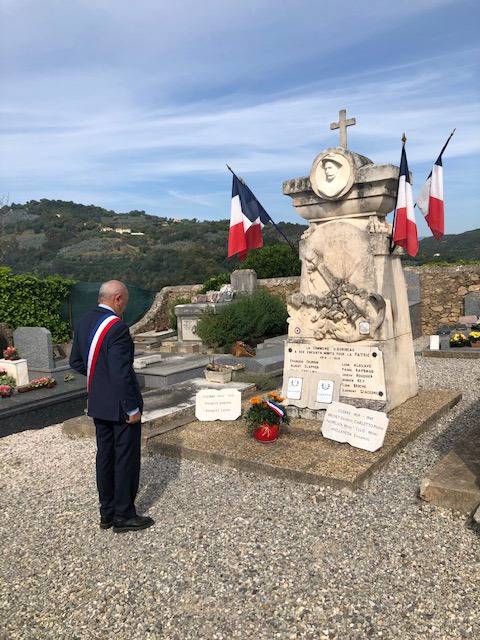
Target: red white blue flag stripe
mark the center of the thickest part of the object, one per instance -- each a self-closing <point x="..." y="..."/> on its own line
<point x="405" y="230"/>
<point x="247" y="218"/>
<point x="278" y="410"/>
<point x="430" y="200"/>
<point x="100" y="332"/>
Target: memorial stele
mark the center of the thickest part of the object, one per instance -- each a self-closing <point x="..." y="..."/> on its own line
<point x="349" y="324"/>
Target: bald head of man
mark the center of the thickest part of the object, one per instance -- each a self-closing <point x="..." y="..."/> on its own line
<point x="114" y="294"/>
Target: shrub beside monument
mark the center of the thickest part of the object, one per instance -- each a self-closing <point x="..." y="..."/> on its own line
<point x="249" y="319"/>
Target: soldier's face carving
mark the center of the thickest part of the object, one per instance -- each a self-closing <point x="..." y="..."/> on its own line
<point x="331" y="170"/>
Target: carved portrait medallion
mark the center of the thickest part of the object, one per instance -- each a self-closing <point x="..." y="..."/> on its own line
<point x="332" y="174"/>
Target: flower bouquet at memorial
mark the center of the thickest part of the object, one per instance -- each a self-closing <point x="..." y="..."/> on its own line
<point x="265" y="417"/>
<point x="474" y="339"/>
<point x="7" y="384"/>
<point x="38" y="383"/>
<point x="5" y="390"/>
<point x="10" y="353"/>
<point x="458" y="340"/>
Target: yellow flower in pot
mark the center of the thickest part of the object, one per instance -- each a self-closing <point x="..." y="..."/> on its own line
<point x="474" y="339"/>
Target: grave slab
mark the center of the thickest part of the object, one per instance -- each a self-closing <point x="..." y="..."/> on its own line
<point x="165" y="409"/>
<point x="268" y="360"/>
<point x="454" y="482"/>
<point x="301" y="453"/>
<point x="172" y="371"/>
<point x="43" y="407"/>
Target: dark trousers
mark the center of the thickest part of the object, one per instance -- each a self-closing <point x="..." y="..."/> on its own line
<point x="118" y="467"/>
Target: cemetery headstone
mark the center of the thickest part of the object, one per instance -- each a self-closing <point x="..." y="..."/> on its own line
<point x="351" y="315"/>
<point x="471" y="303"/>
<point x="35" y="345"/>
<point x="218" y="404"/>
<point x="244" y="280"/>
<point x="188" y="316"/>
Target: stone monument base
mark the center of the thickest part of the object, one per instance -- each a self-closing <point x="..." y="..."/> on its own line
<point x="301" y="453"/>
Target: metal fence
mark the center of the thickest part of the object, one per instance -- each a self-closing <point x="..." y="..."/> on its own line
<point x="84" y="297"/>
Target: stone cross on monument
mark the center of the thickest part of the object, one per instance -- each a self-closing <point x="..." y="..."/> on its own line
<point x="342" y="124"/>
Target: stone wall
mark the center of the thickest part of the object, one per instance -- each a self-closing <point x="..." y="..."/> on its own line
<point x="157" y="317"/>
<point x="442" y="293"/>
<point x="442" y="290"/>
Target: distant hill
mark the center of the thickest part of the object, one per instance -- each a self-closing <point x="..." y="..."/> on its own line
<point x="451" y="248"/>
<point x="89" y="243"/>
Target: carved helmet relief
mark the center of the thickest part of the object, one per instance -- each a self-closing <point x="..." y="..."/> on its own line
<point x="337" y="300"/>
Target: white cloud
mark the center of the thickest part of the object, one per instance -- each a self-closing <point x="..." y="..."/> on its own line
<point x="106" y="99"/>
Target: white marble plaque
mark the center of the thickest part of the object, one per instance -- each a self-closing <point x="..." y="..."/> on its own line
<point x="189" y="329"/>
<point x="362" y="428"/>
<point x="434" y="343"/>
<point x="359" y="367"/>
<point x="218" y="404"/>
<point x="294" y="388"/>
<point x="325" y="391"/>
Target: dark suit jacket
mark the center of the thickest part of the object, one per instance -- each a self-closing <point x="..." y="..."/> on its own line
<point x="114" y="389"/>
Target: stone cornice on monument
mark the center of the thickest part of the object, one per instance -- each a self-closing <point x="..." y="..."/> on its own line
<point x="373" y="192"/>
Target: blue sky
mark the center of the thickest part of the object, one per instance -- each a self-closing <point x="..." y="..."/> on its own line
<point x="139" y="105"/>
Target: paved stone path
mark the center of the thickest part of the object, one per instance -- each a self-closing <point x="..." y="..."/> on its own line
<point x="234" y="556"/>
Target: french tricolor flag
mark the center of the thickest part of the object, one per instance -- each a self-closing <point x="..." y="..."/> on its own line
<point x="247" y="218"/>
<point x="405" y="229"/>
<point x="430" y="201"/>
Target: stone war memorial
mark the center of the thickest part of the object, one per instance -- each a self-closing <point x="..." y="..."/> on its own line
<point x="349" y="378"/>
<point x="351" y="315"/>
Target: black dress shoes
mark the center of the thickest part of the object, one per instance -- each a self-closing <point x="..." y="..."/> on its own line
<point x="132" y="524"/>
<point x="106" y="523"/>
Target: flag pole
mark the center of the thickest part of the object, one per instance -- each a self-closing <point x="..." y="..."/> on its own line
<point x="441" y="154"/>
<point x="446" y="143"/>
<point x="392" y="243"/>
<point x="269" y="216"/>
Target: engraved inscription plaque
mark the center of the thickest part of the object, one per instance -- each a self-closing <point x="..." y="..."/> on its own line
<point x="359" y="367"/>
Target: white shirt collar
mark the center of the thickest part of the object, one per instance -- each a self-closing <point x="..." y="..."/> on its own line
<point x="105" y="306"/>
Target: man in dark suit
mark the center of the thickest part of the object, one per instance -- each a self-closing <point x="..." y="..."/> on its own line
<point x="103" y="351"/>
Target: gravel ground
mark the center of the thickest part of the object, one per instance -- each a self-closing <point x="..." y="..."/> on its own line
<point x="237" y="556"/>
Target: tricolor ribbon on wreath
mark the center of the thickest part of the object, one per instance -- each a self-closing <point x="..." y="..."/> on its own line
<point x="98" y="336"/>
<point x="275" y="407"/>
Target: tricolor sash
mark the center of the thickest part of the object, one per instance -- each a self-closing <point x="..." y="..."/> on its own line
<point x="99" y="333"/>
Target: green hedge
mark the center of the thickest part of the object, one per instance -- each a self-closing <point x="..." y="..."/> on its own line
<point x="215" y="282"/>
<point x="29" y="301"/>
<point x="251" y="319"/>
<point x="273" y="261"/>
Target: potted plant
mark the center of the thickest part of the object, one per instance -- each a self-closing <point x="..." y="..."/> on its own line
<point x="458" y="340"/>
<point x="265" y="416"/>
<point x="474" y="339"/>
<point x="10" y="353"/>
<point x="217" y="373"/>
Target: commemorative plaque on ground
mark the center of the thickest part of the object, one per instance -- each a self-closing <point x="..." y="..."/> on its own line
<point x="362" y="428"/>
<point x="218" y="404"/>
